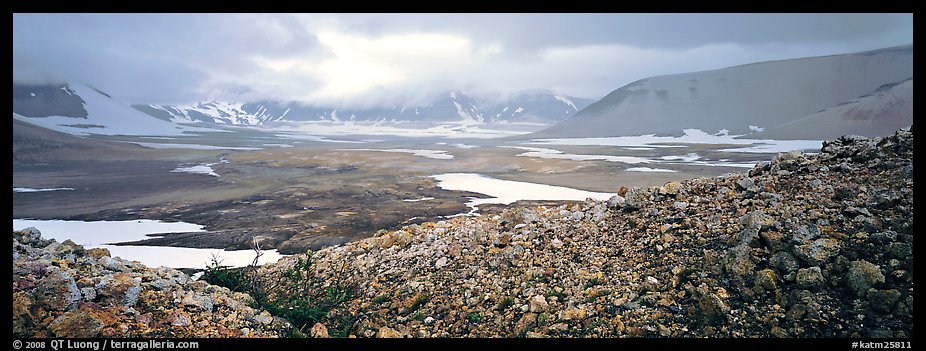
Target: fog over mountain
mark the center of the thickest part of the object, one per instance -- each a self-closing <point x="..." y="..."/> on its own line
<point x="369" y="61"/>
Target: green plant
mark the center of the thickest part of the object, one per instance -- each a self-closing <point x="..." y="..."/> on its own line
<point x="474" y="317"/>
<point x="380" y="299"/>
<point x="298" y="300"/>
<point x="216" y="273"/>
<point x="294" y="295"/>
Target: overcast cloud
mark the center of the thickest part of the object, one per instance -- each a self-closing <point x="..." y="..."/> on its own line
<point x="385" y="59"/>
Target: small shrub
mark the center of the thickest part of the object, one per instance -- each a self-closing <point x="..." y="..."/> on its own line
<point x="295" y="295"/>
<point x="380" y="299"/>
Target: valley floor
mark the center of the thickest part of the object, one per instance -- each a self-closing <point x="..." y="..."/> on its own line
<point x="305" y="194"/>
<point x="804" y="246"/>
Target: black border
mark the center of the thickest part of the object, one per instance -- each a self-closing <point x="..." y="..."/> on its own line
<point x="502" y="343"/>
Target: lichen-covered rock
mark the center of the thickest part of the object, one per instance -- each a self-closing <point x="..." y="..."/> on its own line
<point x="767" y="279"/>
<point x="790" y="161"/>
<point x="863" y="275"/>
<point x="57" y="290"/>
<point x="538" y="304"/>
<point x="64" y="290"/>
<point x="784" y="262"/>
<point x="670" y="188"/>
<point x="98" y="252"/>
<point x="76" y="324"/>
<point x="818" y="252"/>
<point x="713" y="304"/>
<point x="119" y="288"/>
<point x="756" y="219"/>
<point x="387" y="333"/>
<point x="883" y="300"/>
<point x="739" y="262"/>
<point x="636" y="198"/>
<point x="616" y="202"/>
<point x="319" y="331"/>
<point x="809" y="278"/>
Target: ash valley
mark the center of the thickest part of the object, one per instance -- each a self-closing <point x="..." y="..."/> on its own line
<point x="411" y="176"/>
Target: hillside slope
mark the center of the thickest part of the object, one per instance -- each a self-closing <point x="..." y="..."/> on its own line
<point x="876" y="113"/>
<point x="764" y="95"/>
<point x="804" y="246"/>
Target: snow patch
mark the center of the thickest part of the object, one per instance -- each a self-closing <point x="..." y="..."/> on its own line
<point x="691" y="136"/>
<point x="508" y="191"/>
<point x="104" y="232"/>
<point x="192" y="146"/>
<point x="566" y="101"/>
<point x="687" y="158"/>
<point x="435" y="154"/>
<point x="101" y="233"/>
<point x="205" y="168"/>
<point x="460" y="129"/>
<point x="36" y="190"/>
<point x="647" y="169"/>
<point x="556" y="154"/>
<point x="776" y="146"/>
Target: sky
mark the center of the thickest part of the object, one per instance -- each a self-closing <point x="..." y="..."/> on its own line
<point x="369" y="60"/>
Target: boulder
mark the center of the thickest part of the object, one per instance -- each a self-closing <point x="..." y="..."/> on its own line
<point x="818" y="252"/>
<point x="863" y="275"/>
<point x="538" y="304"/>
<point x="809" y="278"/>
<point x="670" y="188"/>
<point x="387" y="333"/>
<point x="76" y="323"/>
<point x="57" y="290"/>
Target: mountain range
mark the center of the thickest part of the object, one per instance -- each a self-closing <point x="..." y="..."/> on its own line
<point x="540" y="106"/>
<point x="868" y="93"/>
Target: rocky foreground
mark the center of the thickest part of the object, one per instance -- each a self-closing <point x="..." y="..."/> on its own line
<point x="804" y="246"/>
<point x="64" y="290"/>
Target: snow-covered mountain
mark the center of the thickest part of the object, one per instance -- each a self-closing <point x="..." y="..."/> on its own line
<point x="539" y="106"/>
<point x="543" y="107"/>
<point x="867" y="93"/>
<point x="47" y="100"/>
<point x="79" y="109"/>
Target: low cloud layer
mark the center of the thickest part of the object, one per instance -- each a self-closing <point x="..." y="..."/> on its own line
<point x="396" y="59"/>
